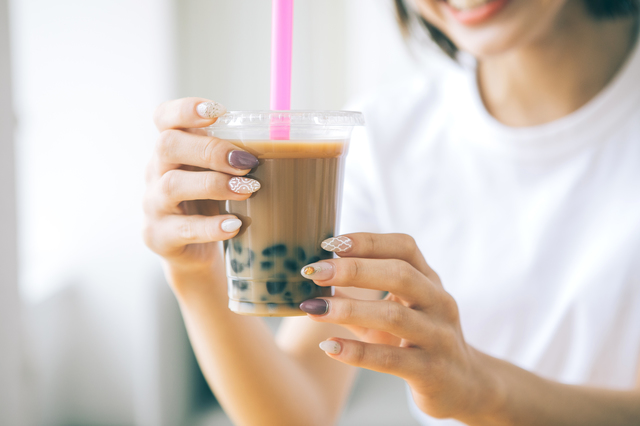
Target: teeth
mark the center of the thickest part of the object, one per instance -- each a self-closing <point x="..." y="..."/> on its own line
<point x="467" y="4"/>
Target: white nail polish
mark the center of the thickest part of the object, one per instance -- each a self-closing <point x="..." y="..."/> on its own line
<point x="337" y="244"/>
<point x="242" y="185"/>
<point x="231" y="225"/>
<point x="210" y="109"/>
<point x="331" y="347"/>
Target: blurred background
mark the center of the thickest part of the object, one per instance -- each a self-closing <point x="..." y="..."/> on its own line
<point x="90" y="333"/>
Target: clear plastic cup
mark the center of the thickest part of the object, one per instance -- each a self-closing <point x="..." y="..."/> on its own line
<point x="295" y="209"/>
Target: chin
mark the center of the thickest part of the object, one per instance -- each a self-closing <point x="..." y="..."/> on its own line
<point x="492" y="27"/>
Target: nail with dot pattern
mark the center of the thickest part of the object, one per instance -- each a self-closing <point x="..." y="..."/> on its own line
<point x="210" y="109"/>
<point x="243" y="185"/>
<point x="337" y="244"/>
<point x="318" y="271"/>
<point x="331" y="347"/>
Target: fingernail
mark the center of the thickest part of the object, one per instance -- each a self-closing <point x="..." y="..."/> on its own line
<point x="337" y="244"/>
<point x="210" y="109"/>
<point x="242" y="160"/>
<point x="231" y="225"/>
<point x="318" y="271"/>
<point x="242" y="185"/>
<point x="315" y="306"/>
<point x="331" y="347"/>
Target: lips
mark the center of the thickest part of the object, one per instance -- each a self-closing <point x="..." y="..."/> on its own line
<point x="474" y="12"/>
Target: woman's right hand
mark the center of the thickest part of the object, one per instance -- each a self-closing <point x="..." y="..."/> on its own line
<point x="187" y="176"/>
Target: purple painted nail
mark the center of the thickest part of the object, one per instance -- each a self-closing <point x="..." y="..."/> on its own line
<point x="242" y="160"/>
<point x="315" y="306"/>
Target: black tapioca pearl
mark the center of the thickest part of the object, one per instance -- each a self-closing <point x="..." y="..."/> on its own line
<point x="237" y="246"/>
<point x="291" y="265"/>
<point x="287" y="295"/>
<point x="276" y="287"/>
<point x="266" y="265"/>
<point x="300" y="254"/>
<point x="240" y="285"/>
<point x="314" y="259"/>
<point x="280" y="276"/>
<point x="236" y="266"/>
<point x="263" y="298"/>
<point x="306" y="288"/>
<point x="275" y="250"/>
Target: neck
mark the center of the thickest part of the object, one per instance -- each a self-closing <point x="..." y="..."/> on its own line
<point x="554" y="75"/>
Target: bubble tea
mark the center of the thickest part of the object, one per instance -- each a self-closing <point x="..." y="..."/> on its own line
<point x="293" y="212"/>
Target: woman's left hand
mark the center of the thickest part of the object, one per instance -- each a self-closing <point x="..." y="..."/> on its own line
<point x="413" y="333"/>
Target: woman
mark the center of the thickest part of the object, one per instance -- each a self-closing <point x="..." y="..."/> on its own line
<point x="519" y="181"/>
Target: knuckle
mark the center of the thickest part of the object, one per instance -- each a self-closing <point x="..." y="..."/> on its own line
<point x="209" y="183"/>
<point x="157" y="114"/>
<point x="353" y="271"/>
<point x="169" y="183"/>
<point x="450" y="308"/>
<point x="396" y="314"/>
<point x="389" y="360"/>
<point x="187" y="229"/>
<point x="345" y="313"/>
<point x="371" y="241"/>
<point x="166" y="142"/>
<point x="409" y="241"/>
<point x="148" y="234"/>
<point x="209" y="150"/>
<point x="148" y="207"/>
<point x="400" y="269"/>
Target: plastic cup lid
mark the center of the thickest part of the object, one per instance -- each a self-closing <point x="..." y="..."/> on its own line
<point x="244" y="119"/>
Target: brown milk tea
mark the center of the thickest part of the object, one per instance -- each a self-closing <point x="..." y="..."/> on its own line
<point x="283" y="225"/>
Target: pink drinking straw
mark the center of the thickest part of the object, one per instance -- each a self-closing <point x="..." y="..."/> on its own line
<point x="281" y="41"/>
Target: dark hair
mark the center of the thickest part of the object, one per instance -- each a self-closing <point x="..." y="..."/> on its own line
<point x="600" y="9"/>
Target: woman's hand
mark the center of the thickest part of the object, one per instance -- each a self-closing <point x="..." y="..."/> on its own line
<point x="413" y="333"/>
<point x="188" y="174"/>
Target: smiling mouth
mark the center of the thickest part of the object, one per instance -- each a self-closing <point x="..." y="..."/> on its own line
<point x="466" y="4"/>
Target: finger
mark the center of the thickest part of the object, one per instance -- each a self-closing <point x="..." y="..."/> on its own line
<point x="382" y="315"/>
<point x="176" y="147"/>
<point x="401" y="362"/>
<point x="176" y="186"/>
<point x="187" y="113"/>
<point x="172" y="233"/>
<point x="379" y="246"/>
<point x="392" y="275"/>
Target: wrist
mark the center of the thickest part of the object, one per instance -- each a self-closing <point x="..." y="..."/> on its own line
<point x="199" y="280"/>
<point x="489" y="392"/>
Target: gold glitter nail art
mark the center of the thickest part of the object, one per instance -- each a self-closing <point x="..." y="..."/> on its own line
<point x="309" y="270"/>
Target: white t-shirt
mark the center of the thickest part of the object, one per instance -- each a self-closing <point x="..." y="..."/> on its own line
<point x="534" y="231"/>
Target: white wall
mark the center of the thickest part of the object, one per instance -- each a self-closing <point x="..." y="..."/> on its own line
<point x="88" y="76"/>
<point x="11" y="365"/>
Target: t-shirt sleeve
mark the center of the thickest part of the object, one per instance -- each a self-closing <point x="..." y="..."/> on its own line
<point x="358" y="213"/>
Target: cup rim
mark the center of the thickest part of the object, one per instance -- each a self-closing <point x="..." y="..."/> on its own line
<point x="294" y="118"/>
